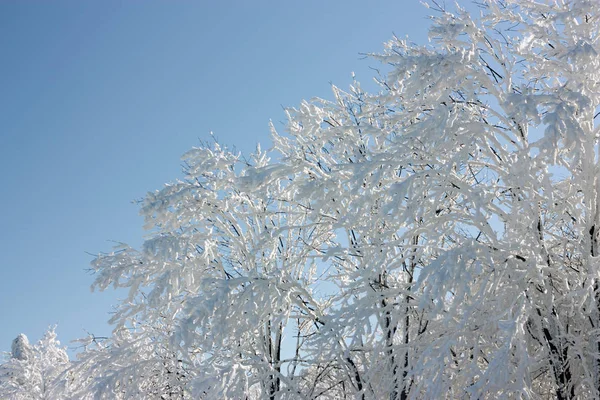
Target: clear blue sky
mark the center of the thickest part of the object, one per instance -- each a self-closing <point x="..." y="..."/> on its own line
<point x="99" y="99"/>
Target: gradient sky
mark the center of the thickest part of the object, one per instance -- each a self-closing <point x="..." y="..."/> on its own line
<point x="99" y="99"/>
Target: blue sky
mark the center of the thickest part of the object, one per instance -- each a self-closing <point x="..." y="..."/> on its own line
<point x="100" y="99"/>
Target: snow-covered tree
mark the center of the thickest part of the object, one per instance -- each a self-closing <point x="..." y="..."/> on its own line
<point x="435" y="239"/>
<point x="224" y="272"/>
<point x="20" y="348"/>
<point x="35" y="372"/>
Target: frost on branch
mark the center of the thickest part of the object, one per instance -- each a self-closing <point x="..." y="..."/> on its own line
<point x="435" y="239"/>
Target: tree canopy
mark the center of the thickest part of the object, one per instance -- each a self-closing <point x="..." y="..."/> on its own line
<point x="436" y="238"/>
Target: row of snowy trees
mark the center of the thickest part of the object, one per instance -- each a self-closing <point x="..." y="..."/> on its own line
<point x="435" y="239"/>
<point x="39" y="371"/>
